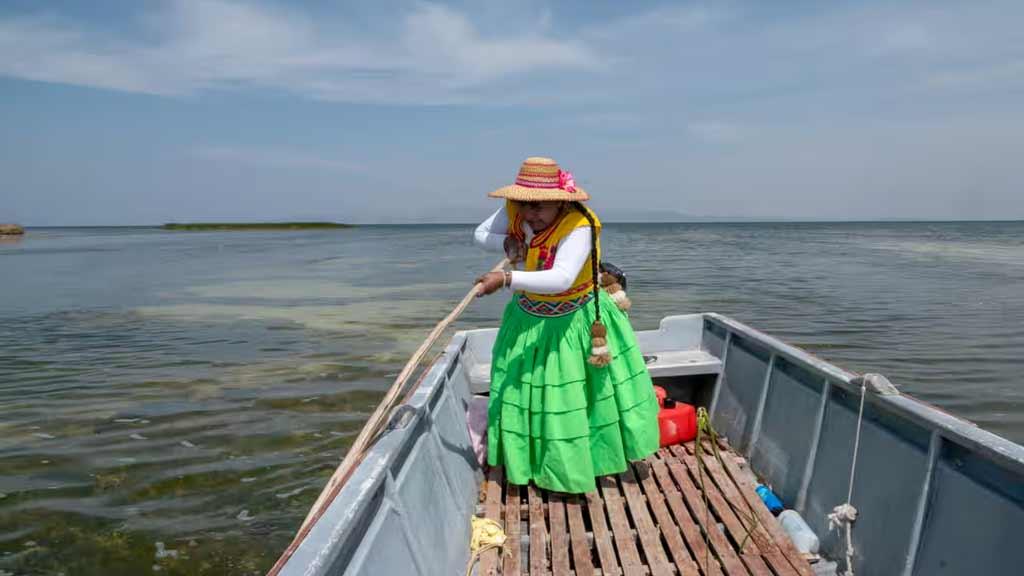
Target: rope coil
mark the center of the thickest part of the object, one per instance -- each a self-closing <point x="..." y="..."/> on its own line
<point x="486" y="535"/>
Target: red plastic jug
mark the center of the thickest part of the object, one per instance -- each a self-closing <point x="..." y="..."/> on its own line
<point x="661" y="394"/>
<point x="677" y="422"/>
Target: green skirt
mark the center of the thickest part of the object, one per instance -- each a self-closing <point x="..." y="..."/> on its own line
<point x="555" y="419"/>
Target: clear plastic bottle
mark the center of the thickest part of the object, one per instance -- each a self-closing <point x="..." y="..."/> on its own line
<point x="800" y="533"/>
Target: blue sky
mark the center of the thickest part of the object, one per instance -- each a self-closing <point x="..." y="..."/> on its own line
<point x="141" y="113"/>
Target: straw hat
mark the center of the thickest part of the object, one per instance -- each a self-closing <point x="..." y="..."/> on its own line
<point x="541" y="179"/>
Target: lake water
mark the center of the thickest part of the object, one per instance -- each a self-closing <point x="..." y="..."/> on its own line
<point x="172" y="402"/>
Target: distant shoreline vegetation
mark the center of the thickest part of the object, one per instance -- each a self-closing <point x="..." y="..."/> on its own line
<point x="201" y="226"/>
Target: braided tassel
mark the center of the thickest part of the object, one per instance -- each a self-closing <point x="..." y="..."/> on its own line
<point x="614" y="289"/>
<point x="600" y="356"/>
<point x="599" y="353"/>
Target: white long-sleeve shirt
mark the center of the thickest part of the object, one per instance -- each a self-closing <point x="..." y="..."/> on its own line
<point x="572" y="253"/>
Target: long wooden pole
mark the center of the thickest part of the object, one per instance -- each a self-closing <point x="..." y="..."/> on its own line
<point x="369" y="432"/>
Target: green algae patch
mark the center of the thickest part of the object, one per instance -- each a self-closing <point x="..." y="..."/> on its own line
<point x="74" y="544"/>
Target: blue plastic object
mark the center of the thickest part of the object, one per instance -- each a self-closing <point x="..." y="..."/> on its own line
<point x="770" y="499"/>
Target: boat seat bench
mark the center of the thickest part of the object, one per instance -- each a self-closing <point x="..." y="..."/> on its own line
<point x="647" y="520"/>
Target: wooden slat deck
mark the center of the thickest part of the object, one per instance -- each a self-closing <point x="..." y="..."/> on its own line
<point x="648" y="521"/>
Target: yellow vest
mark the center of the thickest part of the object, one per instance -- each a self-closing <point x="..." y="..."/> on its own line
<point x="540" y="254"/>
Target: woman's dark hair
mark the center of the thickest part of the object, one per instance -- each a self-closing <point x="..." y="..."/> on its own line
<point x="594" y="264"/>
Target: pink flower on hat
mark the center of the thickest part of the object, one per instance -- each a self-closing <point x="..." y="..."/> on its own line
<point x="566" y="181"/>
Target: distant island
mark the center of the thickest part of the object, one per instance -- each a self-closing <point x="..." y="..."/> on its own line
<point x="206" y="226"/>
<point x="11" y="230"/>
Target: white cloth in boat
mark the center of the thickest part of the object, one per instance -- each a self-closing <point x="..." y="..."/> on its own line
<point x="572" y="253"/>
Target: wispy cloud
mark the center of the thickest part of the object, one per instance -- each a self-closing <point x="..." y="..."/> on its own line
<point x="904" y="38"/>
<point x="716" y="132"/>
<point x="43" y="49"/>
<point x="433" y="54"/>
<point x="1000" y="74"/>
<point x="274" y="158"/>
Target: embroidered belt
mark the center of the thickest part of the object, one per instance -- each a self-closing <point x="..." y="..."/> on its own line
<point x="552" y="309"/>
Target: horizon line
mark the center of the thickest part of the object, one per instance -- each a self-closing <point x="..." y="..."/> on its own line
<point x="695" y="220"/>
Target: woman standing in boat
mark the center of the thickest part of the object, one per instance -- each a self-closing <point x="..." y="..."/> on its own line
<point x="571" y="398"/>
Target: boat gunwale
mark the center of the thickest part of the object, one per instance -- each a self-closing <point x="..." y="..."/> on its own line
<point x="371" y="472"/>
<point x="949" y="427"/>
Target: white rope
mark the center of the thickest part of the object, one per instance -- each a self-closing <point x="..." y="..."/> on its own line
<point x="844" y="515"/>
